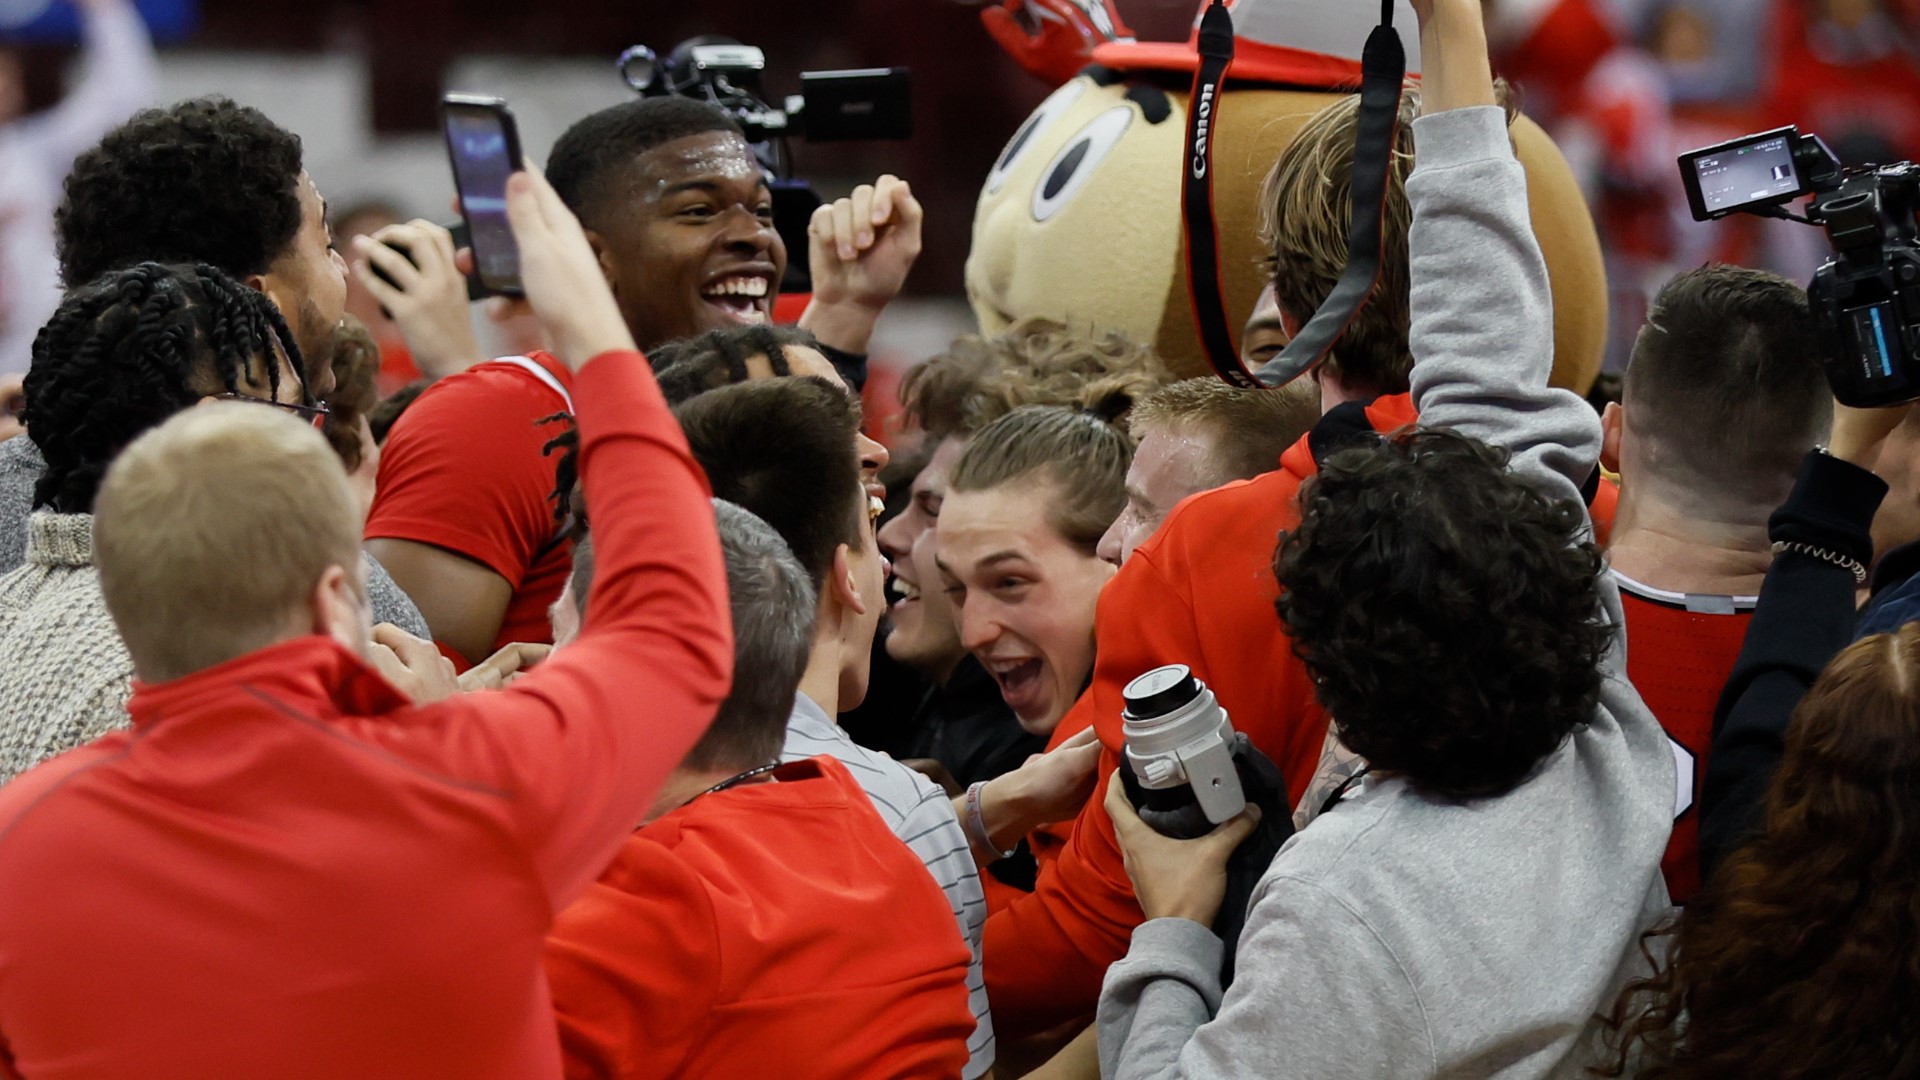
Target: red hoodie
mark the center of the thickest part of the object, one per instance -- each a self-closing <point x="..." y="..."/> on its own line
<point x="1199" y="592"/>
<point x="770" y="923"/>
<point x="284" y="869"/>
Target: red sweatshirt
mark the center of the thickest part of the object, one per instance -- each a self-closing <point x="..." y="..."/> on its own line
<point x="285" y="870"/>
<point x="1199" y="592"/>
<point x="771" y="928"/>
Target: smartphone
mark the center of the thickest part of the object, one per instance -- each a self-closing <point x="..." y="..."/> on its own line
<point x="462" y="238"/>
<point x="484" y="146"/>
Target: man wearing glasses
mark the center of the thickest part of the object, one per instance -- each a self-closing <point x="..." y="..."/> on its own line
<point x="207" y="181"/>
<point x="121" y="355"/>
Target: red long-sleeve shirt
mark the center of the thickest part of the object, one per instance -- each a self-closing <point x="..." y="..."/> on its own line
<point x="779" y="926"/>
<point x="284" y="869"/>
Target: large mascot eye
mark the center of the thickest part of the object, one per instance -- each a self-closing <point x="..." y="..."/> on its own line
<point x="1050" y="110"/>
<point x="1070" y="169"/>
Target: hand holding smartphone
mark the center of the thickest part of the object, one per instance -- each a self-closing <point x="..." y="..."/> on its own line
<point x="484" y="145"/>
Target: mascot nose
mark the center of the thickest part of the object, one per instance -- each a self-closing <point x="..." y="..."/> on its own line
<point x="994" y="259"/>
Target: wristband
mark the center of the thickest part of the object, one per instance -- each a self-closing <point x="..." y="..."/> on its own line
<point x="977" y="825"/>
<point x="1851" y="566"/>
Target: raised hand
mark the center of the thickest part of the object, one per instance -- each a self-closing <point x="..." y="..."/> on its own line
<point x="561" y="277"/>
<point x="860" y="250"/>
<point x="423" y="291"/>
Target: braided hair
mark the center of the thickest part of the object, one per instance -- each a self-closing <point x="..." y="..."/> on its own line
<point x="685" y="370"/>
<point x="128" y="350"/>
<point x="719" y="358"/>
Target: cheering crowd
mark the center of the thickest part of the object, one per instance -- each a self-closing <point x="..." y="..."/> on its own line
<point x="493" y="728"/>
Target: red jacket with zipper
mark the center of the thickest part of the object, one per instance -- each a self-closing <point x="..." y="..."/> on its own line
<point x="285" y="869"/>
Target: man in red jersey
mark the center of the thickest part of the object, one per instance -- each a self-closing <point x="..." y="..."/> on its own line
<point x="285" y="868"/>
<point x="1724" y="396"/>
<point x="681" y="221"/>
<point x="761" y="912"/>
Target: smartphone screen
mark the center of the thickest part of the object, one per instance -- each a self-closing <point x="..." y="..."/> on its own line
<point x="485" y="149"/>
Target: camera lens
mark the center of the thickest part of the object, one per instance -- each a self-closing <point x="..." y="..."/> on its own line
<point x="1160" y="692"/>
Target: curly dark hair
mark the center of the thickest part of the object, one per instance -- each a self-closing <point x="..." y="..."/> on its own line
<point x="131" y="349"/>
<point x="205" y="181"/>
<point x="686" y="369"/>
<point x="1798" y="958"/>
<point x="1448" y="611"/>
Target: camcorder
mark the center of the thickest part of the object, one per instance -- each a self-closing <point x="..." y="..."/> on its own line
<point x="1866" y="298"/>
<point x="872" y="103"/>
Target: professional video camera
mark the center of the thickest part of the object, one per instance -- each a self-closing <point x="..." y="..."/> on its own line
<point x="1866" y="298"/>
<point x="872" y="103"/>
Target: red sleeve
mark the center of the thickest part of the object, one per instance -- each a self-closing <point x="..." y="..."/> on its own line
<point x="629" y="968"/>
<point x="584" y="742"/>
<point x="463" y="470"/>
<point x="1046" y="953"/>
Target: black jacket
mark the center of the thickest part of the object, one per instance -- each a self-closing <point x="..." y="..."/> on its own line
<point x="1804" y="618"/>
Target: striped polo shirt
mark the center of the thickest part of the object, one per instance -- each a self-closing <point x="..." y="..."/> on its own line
<point x="921" y="815"/>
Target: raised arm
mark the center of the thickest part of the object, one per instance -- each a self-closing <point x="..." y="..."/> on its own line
<point x="1804" y="619"/>
<point x="118" y="78"/>
<point x="1482" y="315"/>
<point x="586" y="739"/>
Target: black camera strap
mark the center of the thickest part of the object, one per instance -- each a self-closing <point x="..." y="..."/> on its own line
<point x="1383" y="67"/>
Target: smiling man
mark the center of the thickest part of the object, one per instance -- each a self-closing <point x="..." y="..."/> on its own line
<point x="1199" y="434"/>
<point x="679" y="214"/>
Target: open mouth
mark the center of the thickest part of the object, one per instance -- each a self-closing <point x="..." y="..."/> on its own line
<point x="1020" y="682"/>
<point x="901" y="592"/>
<point x="741" y="297"/>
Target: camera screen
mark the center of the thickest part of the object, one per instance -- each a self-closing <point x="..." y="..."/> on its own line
<point x="482" y="162"/>
<point x="1870" y="332"/>
<point x="1734" y="176"/>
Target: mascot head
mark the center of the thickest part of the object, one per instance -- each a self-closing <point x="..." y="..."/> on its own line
<point x="1080" y="218"/>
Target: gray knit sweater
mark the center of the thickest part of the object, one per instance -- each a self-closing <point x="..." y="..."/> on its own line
<point x="20" y="465"/>
<point x="64" y="673"/>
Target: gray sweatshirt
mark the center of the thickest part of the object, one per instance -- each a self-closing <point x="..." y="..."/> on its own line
<point x="1399" y="935"/>
<point x="20" y="466"/>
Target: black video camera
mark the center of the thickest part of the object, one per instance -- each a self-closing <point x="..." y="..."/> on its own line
<point x="1866" y="298"/>
<point x="871" y="103"/>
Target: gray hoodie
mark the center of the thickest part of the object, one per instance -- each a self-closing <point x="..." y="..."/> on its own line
<point x="1399" y="935"/>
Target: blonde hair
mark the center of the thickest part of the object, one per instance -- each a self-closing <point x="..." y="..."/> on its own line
<point x="211" y="530"/>
<point x="1036" y="361"/>
<point x="1307" y="203"/>
<point x="1250" y="428"/>
<point x="1082" y="455"/>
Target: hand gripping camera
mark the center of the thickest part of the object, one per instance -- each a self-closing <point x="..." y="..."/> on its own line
<point x="1188" y="771"/>
<point x="873" y="103"/>
<point x="1866" y="298"/>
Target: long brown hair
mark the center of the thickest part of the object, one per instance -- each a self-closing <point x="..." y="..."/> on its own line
<point x="1801" y="957"/>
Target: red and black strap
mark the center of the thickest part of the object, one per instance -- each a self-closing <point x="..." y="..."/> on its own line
<point x="1383" y="70"/>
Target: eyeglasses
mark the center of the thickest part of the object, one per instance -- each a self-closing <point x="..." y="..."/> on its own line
<point x="312" y="414"/>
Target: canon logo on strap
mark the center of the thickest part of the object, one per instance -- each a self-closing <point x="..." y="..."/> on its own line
<point x="1200" y="132"/>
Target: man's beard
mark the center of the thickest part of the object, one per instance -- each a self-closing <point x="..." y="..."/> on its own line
<point x="315" y="336"/>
